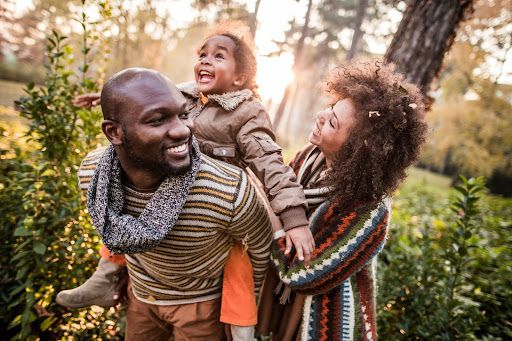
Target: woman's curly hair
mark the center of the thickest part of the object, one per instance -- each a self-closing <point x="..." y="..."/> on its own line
<point x="245" y="60"/>
<point x="388" y="132"/>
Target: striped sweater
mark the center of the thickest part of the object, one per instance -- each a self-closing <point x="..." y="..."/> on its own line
<point x="186" y="267"/>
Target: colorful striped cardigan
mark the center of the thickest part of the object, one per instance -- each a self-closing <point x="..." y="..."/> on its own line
<point x="341" y="276"/>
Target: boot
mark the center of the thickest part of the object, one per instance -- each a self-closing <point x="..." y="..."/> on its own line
<point x="100" y="289"/>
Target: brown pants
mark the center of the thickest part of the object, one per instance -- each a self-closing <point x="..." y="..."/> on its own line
<point x="195" y="321"/>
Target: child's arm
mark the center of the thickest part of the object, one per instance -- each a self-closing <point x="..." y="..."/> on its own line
<point x="87" y="101"/>
<point x="255" y="140"/>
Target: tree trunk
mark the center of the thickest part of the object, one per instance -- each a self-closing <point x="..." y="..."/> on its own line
<point x="424" y="35"/>
<point x="358" y="32"/>
<point x="253" y="24"/>
<point x="296" y="64"/>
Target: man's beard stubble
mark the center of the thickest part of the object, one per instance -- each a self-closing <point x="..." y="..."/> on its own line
<point x="160" y="167"/>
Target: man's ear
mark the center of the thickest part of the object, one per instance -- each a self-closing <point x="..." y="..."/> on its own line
<point x="113" y="131"/>
<point x="240" y="80"/>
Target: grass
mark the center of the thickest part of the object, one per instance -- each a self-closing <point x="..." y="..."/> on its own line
<point x="9" y="92"/>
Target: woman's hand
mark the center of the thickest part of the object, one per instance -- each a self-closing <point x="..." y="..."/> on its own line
<point x="87" y="101"/>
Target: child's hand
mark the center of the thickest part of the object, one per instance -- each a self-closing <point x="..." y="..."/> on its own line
<point x="87" y="101"/>
<point x="302" y="239"/>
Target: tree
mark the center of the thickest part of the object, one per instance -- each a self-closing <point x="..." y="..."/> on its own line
<point x="327" y="40"/>
<point x="425" y="34"/>
<point x="358" y="32"/>
<point x="299" y="47"/>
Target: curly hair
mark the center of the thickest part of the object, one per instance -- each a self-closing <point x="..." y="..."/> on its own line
<point x="245" y="60"/>
<point x="388" y="132"/>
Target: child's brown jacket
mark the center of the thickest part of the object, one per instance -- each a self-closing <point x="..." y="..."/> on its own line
<point x="234" y="127"/>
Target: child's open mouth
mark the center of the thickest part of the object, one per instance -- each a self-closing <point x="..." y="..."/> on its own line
<point x="205" y="76"/>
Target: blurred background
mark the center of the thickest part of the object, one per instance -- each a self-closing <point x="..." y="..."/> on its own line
<point x="446" y="270"/>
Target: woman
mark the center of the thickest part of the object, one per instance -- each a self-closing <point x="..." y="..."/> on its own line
<point x="360" y="149"/>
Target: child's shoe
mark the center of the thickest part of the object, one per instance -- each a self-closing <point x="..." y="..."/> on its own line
<point x="100" y="289"/>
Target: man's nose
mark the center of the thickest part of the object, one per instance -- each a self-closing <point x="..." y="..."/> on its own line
<point x="180" y="129"/>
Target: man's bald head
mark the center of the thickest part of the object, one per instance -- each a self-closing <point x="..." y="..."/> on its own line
<point x="123" y="89"/>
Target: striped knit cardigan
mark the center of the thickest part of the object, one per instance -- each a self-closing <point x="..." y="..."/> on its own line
<point x="341" y="276"/>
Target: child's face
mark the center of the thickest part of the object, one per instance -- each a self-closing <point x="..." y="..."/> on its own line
<point x="215" y="70"/>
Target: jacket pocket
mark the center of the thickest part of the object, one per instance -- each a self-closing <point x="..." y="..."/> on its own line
<point x="267" y="144"/>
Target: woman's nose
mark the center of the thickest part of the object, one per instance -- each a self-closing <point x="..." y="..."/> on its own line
<point x="321" y="115"/>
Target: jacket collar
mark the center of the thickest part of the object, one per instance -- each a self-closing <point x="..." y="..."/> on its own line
<point x="228" y="101"/>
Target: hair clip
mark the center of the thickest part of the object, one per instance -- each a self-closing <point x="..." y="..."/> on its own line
<point x="372" y="113"/>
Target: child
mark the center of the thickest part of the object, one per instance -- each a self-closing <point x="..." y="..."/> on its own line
<point x="232" y="125"/>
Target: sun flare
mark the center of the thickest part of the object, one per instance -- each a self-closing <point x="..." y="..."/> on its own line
<point x="274" y="74"/>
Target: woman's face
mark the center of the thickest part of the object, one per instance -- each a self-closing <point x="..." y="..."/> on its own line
<point x="332" y="127"/>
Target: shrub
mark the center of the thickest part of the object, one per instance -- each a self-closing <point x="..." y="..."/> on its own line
<point x="48" y="242"/>
<point x="446" y="270"/>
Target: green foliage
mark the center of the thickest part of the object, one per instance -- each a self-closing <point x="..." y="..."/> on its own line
<point x="446" y="268"/>
<point x="48" y="242"/>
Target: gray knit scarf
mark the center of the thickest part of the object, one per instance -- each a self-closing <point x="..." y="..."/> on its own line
<point x="124" y="233"/>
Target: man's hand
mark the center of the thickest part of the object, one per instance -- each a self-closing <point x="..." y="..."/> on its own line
<point x="87" y="101"/>
<point x="303" y="242"/>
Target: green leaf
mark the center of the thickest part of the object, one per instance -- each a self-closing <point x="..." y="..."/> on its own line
<point x="19" y="256"/>
<point x="21" y="272"/>
<point x="14" y="322"/>
<point x="22" y="232"/>
<point x="17" y="290"/>
<point x="47" y="322"/>
<point x="39" y="248"/>
<point x="48" y="172"/>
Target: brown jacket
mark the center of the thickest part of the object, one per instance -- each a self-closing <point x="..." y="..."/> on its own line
<point x="234" y="127"/>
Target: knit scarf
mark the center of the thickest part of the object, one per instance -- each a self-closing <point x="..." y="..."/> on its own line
<point x="124" y="233"/>
<point x="310" y="168"/>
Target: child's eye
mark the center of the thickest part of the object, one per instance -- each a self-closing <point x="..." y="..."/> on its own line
<point x="331" y="122"/>
<point x="202" y="55"/>
<point x="219" y="56"/>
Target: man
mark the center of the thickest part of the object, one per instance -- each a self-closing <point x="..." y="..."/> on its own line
<point x="173" y="211"/>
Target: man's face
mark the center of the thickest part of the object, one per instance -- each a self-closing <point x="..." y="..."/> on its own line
<point x="156" y="128"/>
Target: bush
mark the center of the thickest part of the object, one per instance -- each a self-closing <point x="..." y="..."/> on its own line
<point x="48" y="242"/>
<point x="446" y="271"/>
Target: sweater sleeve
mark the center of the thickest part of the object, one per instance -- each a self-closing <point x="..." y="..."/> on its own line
<point x="87" y="168"/>
<point x="345" y="244"/>
<point x="250" y="224"/>
<point x="263" y="156"/>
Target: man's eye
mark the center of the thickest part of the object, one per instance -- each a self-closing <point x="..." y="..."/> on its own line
<point x="183" y="116"/>
<point x="156" y="120"/>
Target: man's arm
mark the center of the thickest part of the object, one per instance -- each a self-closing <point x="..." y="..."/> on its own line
<point x="250" y="224"/>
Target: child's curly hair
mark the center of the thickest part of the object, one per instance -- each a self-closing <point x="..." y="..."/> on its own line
<point x="245" y="60"/>
<point x="387" y="135"/>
